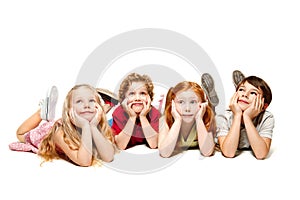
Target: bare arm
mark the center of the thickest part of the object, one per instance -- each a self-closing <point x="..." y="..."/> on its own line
<point x="168" y="136"/>
<point x="205" y="138"/>
<point x="104" y="147"/>
<point x="123" y="138"/>
<point x="229" y="143"/>
<point x="259" y="145"/>
<point x="81" y="156"/>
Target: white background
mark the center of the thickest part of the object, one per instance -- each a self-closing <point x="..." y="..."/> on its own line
<point x="44" y="43"/>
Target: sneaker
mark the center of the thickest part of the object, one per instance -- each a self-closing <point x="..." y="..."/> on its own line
<point x="209" y="87"/>
<point x="237" y="77"/>
<point x="48" y="104"/>
<point x="109" y="99"/>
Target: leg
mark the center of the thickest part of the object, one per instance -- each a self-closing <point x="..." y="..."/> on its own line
<point x="32" y="122"/>
<point x="46" y="112"/>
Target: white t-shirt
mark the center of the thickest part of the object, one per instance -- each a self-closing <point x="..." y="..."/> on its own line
<point x="264" y="128"/>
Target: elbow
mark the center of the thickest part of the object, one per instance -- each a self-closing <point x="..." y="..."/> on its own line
<point x="208" y="153"/>
<point x="153" y="145"/>
<point x="86" y="163"/>
<point x="121" y="145"/>
<point x="229" y="154"/>
<point x="164" y="154"/>
<point x="108" y="159"/>
<point x="261" y="156"/>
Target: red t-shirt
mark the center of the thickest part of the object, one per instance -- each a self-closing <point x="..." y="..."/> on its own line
<point x="120" y="118"/>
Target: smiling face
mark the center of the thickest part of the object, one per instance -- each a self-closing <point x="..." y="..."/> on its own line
<point x="187" y="105"/>
<point x="247" y="94"/>
<point x="136" y="95"/>
<point x="84" y="103"/>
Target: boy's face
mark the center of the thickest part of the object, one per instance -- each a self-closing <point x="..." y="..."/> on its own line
<point x="187" y="104"/>
<point x="247" y="93"/>
<point x="136" y="95"/>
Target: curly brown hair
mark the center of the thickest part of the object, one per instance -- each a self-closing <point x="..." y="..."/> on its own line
<point x="135" y="77"/>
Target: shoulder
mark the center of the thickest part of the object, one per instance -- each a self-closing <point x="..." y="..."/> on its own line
<point x="268" y="116"/>
<point x="58" y="135"/>
<point x="154" y="112"/>
<point x="118" y="111"/>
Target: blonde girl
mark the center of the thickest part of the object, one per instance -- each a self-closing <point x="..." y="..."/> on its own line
<point x="82" y="136"/>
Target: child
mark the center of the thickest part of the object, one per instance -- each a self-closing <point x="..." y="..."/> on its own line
<point x="247" y="125"/>
<point x="81" y="136"/>
<point x="188" y="122"/>
<point x="136" y="121"/>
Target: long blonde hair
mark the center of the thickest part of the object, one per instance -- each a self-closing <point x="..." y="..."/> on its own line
<point x="71" y="134"/>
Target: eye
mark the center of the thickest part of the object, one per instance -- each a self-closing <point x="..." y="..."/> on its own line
<point x="130" y="93"/>
<point x="92" y="100"/>
<point x="254" y="93"/>
<point x="143" y="93"/>
<point x="180" y="101"/>
<point x="78" y="101"/>
<point x="193" y="102"/>
<point x="241" y="89"/>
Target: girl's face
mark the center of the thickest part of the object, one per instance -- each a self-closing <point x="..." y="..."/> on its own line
<point x="136" y="95"/>
<point x="247" y="93"/>
<point x="187" y="104"/>
<point x="84" y="103"/>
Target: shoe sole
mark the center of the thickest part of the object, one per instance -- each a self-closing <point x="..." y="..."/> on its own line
<point x="237" y="77"/>
<point x="208" y="85"/>
<point x="51" y="100"/>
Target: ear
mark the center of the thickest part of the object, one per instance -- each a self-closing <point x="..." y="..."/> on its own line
<point x="265" y="106"/>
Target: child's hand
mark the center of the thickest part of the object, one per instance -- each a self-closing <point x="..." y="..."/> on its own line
<point x="233" y="105"/>
<point x="174" y="112"/>
<point x="96" y="119"/>
<point x="255" y="108"/>
<point x="201" y="111"/>
<point x="76" y="119"/>
<point x="128" y="109"/>
<point x="147" y="107"/>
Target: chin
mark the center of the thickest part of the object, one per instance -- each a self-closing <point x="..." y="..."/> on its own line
<point x="188" y="119"/>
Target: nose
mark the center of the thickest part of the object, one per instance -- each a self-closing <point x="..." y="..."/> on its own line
<point x="137" y="97"/>
<point x="187" y="108"/>
<point x="245" y="94"/>
<point x="86" y="105"/>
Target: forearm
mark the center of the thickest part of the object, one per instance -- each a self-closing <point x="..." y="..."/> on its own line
<point x="104" y="147"/>
<point x="150" y="134"/>
<point x="84" y="154"/>
<point x="258" y="144"/>
<point x="231" y="141"/>
<point x="168" y="144"/>
<point x="123" y="138"/>
<point x="205" y="139"/>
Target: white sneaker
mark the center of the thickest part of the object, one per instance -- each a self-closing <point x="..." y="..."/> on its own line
<point x="48" y="104"/>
